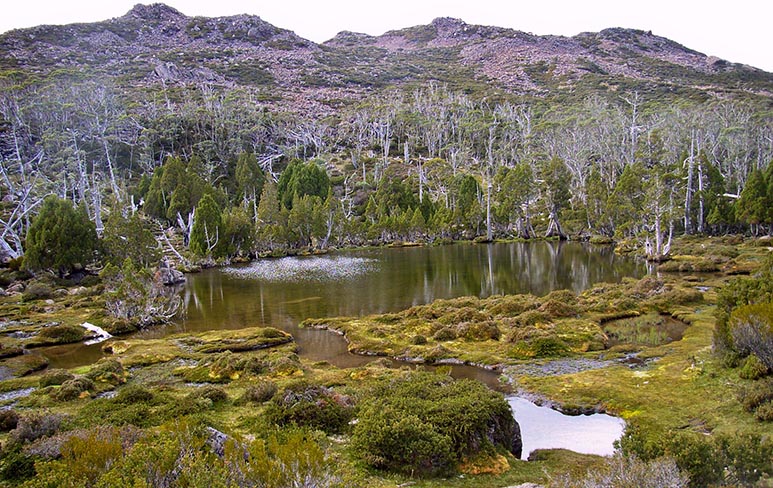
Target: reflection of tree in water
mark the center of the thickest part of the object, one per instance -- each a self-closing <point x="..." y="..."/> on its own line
<point x="403" y="278"/>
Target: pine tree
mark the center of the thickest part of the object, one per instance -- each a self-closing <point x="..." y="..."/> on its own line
<point x="751" y="207"/>
<point x="305" y="220"/>
<point x="60" y="238"/>
<point x="207" y="228"/>
<point x="249" y="178"/>
<point x="238" y="231"/>
<point x="300" y="179"/>
<point x="269" y="219"/>
<point x="129" y="238"/>
<point x="626" y="201"/>
<point x="418" y="224"/>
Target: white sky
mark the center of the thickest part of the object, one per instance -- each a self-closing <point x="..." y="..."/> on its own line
<point x="738" y="31"/>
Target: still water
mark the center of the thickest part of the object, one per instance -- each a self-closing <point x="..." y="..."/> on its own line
<point x="545" y="428"/>
<point x="283" y="292"/>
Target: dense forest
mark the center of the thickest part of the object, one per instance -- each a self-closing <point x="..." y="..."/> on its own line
<point x="234" y="178"/>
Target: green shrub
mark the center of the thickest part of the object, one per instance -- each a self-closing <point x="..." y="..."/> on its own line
<point x="764" y="413"/>
<point x="737" y="293"/>
<point x="444" y="334"/>
<point x="16" y="466"/>
<point x="229" y="365"/>
<point x="747" y="458"/>
<point x="424" y="424"/>
<point x="546" y="347"/>
<point x="179" y="455"/>
<point x="418" y="340"/>
<point x="37" y="291"/>
<point x="511" y="305"/>
<point x="55" y="377"/>
<point x="105" y="411"/>
<point x="531" y="317"/>
<point x="263" y="391"/>
<point x="85" y="459"/>
<point x="131" y="394"/>
<point x="754" y="395"/>
<point x="463" y="314"/>
<point x="752" y="368"/>
<point x="209" y="392"/>
<point x="107" y="370"/>
<point x="751" y="329"/>
<point x="487" y="330"/>
<point x="395" y="441"/>
<point x="72" y="389"/>
<point x="737" y="459"/>
<point x="556" y="309"/>
<point x="311" y="406"/>
<point x="62" y="334"/>
<point x="272" y="333"/>
<point x="698" y="455"/>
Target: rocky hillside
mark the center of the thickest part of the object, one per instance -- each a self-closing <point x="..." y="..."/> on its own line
<point x="156" y="44"/>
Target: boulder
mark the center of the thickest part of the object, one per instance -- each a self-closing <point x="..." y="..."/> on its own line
<point x="216" y="441"/>
<point x="168" y="275"/>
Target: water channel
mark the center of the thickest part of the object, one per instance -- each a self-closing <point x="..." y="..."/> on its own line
<point x="283" y="292"/>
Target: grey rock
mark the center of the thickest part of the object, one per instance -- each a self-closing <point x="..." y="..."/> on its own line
<point x="216" y="441"/>
<point x="169" y="276"/>
<point x="167" y="71"/>
<point x="15" y="288"/>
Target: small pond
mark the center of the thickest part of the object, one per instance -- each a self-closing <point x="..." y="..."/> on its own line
<point x="646" y="330"/>
<point x="545" y="428"/>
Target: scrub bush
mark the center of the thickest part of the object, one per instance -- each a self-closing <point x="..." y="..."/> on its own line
<point x="313" y="406"/>
<point x="424" y="424"/>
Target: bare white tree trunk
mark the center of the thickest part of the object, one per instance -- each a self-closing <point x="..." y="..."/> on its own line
<point x="186" y="226"/>
<point x="690" y="162"/>
<point x="700" y="196"/>
<point x="96" y="198"/>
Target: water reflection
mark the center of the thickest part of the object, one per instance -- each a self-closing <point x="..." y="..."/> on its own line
<point x="545" y="428"/>
<point x="386" y="280"/>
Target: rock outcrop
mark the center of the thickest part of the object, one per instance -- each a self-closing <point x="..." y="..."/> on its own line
<point x="168" y="275"/>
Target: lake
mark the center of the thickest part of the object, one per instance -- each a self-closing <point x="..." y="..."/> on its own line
<point x="283" y="292"/>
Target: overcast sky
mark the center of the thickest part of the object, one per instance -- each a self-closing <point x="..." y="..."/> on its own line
<point x="738" y="30"/>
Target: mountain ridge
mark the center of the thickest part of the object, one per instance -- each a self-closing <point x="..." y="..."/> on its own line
<point x="157" y="44"/>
